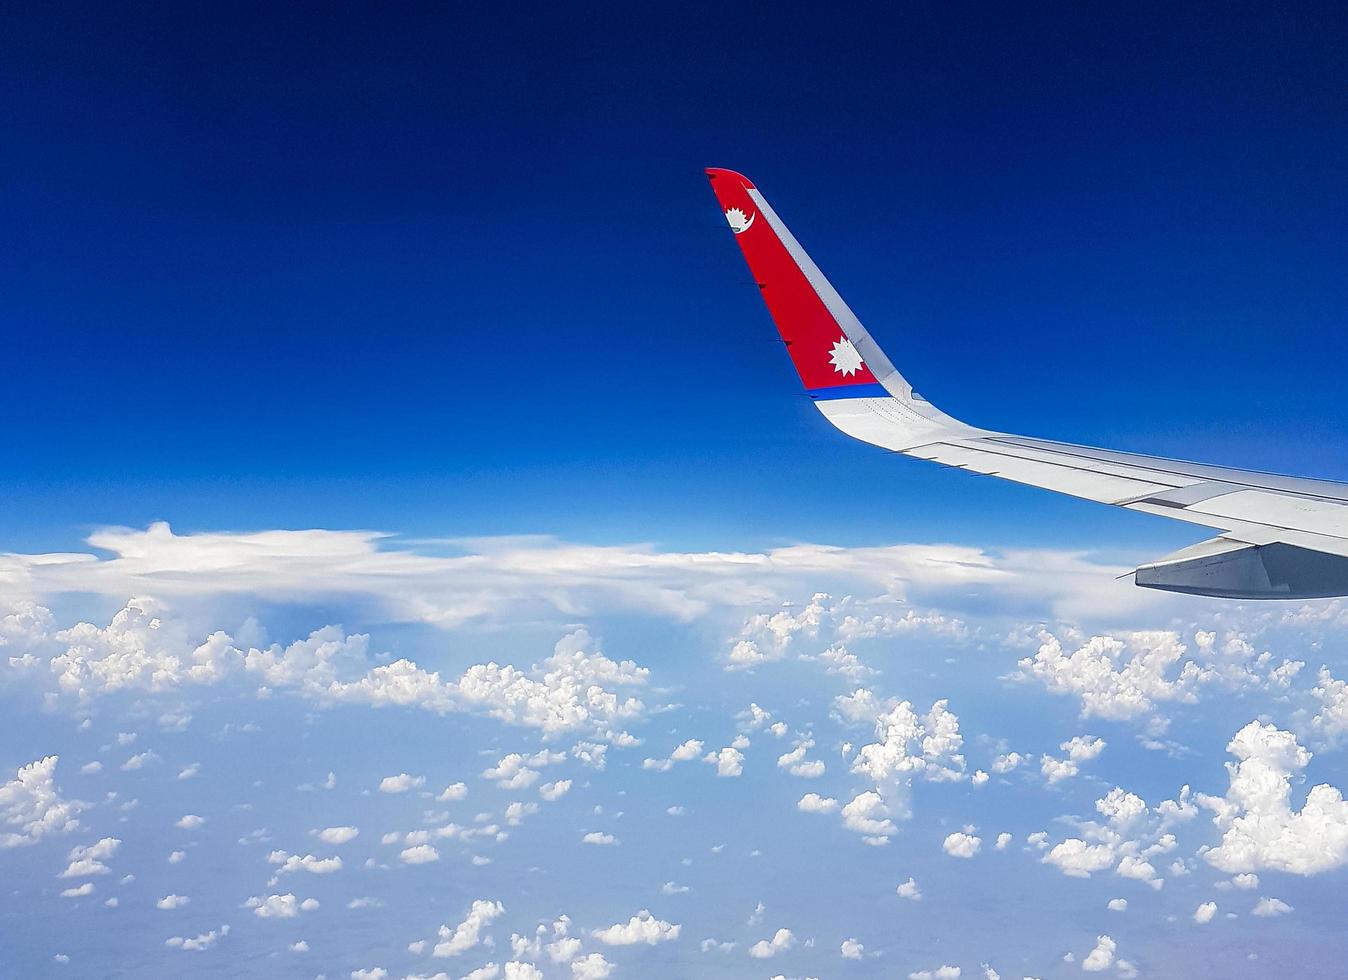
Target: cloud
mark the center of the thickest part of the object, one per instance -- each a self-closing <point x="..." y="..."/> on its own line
<point x="524" y="577"/>
<point x="598" y="837"/>
<point x="962" y="845"/>
<point x="143" y="648"/>
<point x="868" y="815"/>
<point x="468" y="933"/>
<point x="909" y="890"/>
<point x="337" y="835"/>
<point x="401" y="783"/>
<point x="729" y="762"/>
<point x="814" y="803"/>
<point x="592" y="966"/>
<point x="782" y="939"/>
<point x="31" y="806"/>
<point x="939" y="973"/>
<point x="310" y="863"/>
<point x="189" y="821"/>
<point x="554" y="791"/>
<point x="1267" y="908"/>
<point x="88" y="860"/>
<point x="1204" y="913"/>
<point x="453" y="792"/>
<point x="1260" y="830"/>
<point x="79" y="891"/>
<point x="641" y="928"/>
<point x="199" y="943"/>
<point x="280" y="906"/>
<point x="420" y="854"/>
<point x="170" y="902"/>
<point x="851" y="949"/>
<point x="795" y="762"/>
<point x="1101" y="957"/>
<point x="907" y="745"/>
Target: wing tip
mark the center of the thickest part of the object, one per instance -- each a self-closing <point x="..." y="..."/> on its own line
<point x="717" y="172"/>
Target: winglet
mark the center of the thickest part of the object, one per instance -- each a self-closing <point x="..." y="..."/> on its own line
<point x="832" y="352"/>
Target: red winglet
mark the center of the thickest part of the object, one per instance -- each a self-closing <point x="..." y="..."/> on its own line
<point x="819" y="348"/>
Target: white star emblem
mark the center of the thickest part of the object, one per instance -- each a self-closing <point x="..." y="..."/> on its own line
<point x="738" y="220"/>
<point x="845" y="359"/>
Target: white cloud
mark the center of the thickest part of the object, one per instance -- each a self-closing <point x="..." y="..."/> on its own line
<point x="1007" y="762"/>
<point x="280" y="906"/>
<point x="337" y="835"/>
<point x="140" y="761"/>
<point x="814" y="803"/>
<point x="31" y="806"/>
<point x="79" y="891"/>
<point x="1269" y="907"/>
<point x="177" y="857"/>
<point x="401" y="783"/>
<point x="1260" y="829"/>
<point x="1003" y="841"/>
<point x="314" y="865"/>
<point x="867" y="814"/>
<point x="468" y="933"/>
<point x="962" y="845"/>
<point x="554" y="791"/>
<point x="1118" y="905"/>
<point x="729" y="762"/>
<point x="1246" y="882"/>
<point x="592" y="966"/>
<point x="88" y="859"/>
<point x="598" y="837"/>
<point x="1101" y="957"/>
<point x="939" y="973"/>
<point x="1077" y="858"/>
<point x="1204" y="913"/>
<point x="782" y="939"/>
<point x="199" y="943"/>
<point x="189" y="821"/>
<point x="909" y="890"/>
<point x="530" y="577"/>
<point x="420" y="854"/>
<point x="170" y="902"/>
<point x="851" y="949"/>
<point x="796" y="763"/>
<point x="641" y="928"/>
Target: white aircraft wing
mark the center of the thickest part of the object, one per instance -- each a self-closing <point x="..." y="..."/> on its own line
<point x="1280" y="537"/>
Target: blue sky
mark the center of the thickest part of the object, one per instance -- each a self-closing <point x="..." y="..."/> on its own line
<point x="446" y="290"/>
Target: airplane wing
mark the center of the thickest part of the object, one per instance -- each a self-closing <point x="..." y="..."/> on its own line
<point x="1280" y="537"/>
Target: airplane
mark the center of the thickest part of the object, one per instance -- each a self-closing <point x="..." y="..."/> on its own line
<point x="1280" y="537"/>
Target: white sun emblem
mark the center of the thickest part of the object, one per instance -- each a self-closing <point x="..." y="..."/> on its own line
<point x="845" y="358"/>
<point x="738" y="222"/>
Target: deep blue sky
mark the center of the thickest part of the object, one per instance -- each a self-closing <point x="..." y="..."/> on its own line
<point x="453" y="270"/>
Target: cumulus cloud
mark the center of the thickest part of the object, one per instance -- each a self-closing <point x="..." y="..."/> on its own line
<point x="814" y="803"/>
<point x="468" y="933"/>
<point x="401" y="783"/>
<point x="641" y="928"/>
<point x="782" y="939"/>
<point x="909" y="890"/>
<point x="1204" y="913"/>
<point x="729" y="762"/>
<point x="599" y="837"/>
<point x="197" y="944"/>
<point x="795" y="762"/>
<point x="851" y="949"/>
<point x="962" y="845"/>
<point x="419" y="854"/>
<point x="1260" y="830"/>
<point x="907" y="745"/>
<point x="1269" y="907"/>
<point x="337" y="835"/>
<point x="1101" y="957"/>
<point x="88" y="859"/>
<point x="293" y="862"/>
<point x="939" y="973"/>
<point x="31" y="806"/>
<point x="170" y="902"/>
<point x="280" y="906"/>
<point x="189" y="821"/>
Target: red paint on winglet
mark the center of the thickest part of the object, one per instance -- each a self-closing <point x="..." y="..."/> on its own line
<point x="819" y="348"/>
